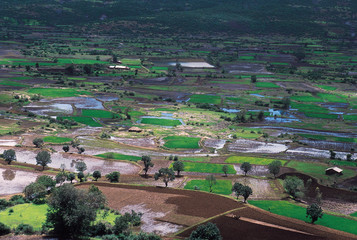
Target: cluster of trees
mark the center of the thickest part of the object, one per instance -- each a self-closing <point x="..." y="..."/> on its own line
<point x="242" y="190"/>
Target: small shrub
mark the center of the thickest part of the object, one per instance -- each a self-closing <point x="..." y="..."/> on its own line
<point x="24" y="229"/>
<point x="4" y="229"/>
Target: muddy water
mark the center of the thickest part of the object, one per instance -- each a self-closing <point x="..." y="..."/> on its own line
<point x="313" y="152"/>
<point x="215" y="143"/>
<point x="338" y="146"/>
<point x="14" y="181"/>
<point x="105" y="166"/>
<point x="249" y="146"/>
<point x="314" y="132"/>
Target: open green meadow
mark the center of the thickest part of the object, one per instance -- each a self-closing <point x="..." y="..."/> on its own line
<point x="59" y="140"/>
<point x="207" y="168"/>
<point x="84" y="120"/>
<point x="266" y="85"/>
<point x="317" y="170"/>
<point x="161" y="122"/>
<point x="288" y="209"/>
<point x="221" y="186"/>
<point x="58" y="92"/>
<point x="97" y="113"/>
<point x="252" y="160"/>
<point x="181" y="142"/>
<point x="35" y="215"/>
<point x="210" y="99"/>
<point x="118" y="156"/>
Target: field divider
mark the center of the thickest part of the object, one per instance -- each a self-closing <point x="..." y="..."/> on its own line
<point x="207" y="219"/>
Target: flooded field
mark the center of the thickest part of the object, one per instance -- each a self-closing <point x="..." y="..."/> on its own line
<point x="14" y="181"/>
<point x="249" y="146"/>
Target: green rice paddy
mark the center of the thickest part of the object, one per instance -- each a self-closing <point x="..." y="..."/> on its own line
<point x="221" y="186"/>
<point x="182" y="142"/>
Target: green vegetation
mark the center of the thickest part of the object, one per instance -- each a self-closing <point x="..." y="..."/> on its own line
<point x="343" y="163"/>
<point x="181" y="142"/>
<point x="118" y="156"/>
<point x="12" y="83"/>
<point x="221" y="186"/>
<point x="84" y="120"/>
<point x="54" y="139"/>
<point x="211" y="99"/>
<point x="252" y="160"/>
<point x="99" y="113"/>
<point x="207" y="168"/>
<point x="27" y="213"/>
<point x="266" y="85"/>
<point x="325" y="87"/>
<point x="317" y="170"/>
<point x="195" y="159"/>
<point x="58" y="92"/>
<point x="161" y="122"/>
<point x="288" y="209"/>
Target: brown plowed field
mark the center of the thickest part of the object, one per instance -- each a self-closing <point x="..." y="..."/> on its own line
<point x="187" y="208"/>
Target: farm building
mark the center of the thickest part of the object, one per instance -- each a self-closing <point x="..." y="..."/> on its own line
<point x="135" y="129"/>
<point x="120" y="67"/>
<point x="333" y="170"/>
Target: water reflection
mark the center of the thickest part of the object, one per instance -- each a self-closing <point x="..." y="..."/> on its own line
<point x="8" y="175"/>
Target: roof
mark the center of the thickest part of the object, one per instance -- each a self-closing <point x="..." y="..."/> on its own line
<point x="135" y="129"/>
<point x="336" y="169"/>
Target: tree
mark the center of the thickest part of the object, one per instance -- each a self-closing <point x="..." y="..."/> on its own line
<point x="46" y="181"/>
<point x="253" y="78"/>
<point x="80" y="150"/>
<point x="225" y="169"/>
<point x="65" y="148"/>
<point x="43" y="158"/>
<point x="332" y="154"/>
<point x="147" y="163"/>
<point x="71" y="211"/>
<point x="178" y="166"/>
<point x="96" y="175"/>
<point x="237" y="189"/>
<point x="167" y="175"/>
<point x="80" y="175"/>
<point x="71" y="177"/>
<point x="294" y="186"/>
<point x="246" y="191"/>
<point x="9" y="156"/>
<point x="261" y="116"/>
<point x="81" y="166"/>
<point x="61" y="177"/>
<point x="274" y="167"/>
<point x="211" y="180"/>
<point x="286" y="102"/>
<point x="246" y="167"/>
<point x="207" y="231"/>
<point x="113" y="177"/>
<point x="75" y="143"/>
<point x="38" y="142"/>
<point x="34" y="190"/>
<point x="314" y="212"/>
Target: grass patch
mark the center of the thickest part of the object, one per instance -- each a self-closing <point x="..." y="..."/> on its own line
<point x="211" y="99"/>
<point x="58" y="92"/>
<point x="98" y="113"/>
<point x="54" y="139"/>
<point x="252" y="160"/>
<point x="328" y="88"/>
<point x="207" y="168"/>
<point x="266" y="85"/>
<point x="306" y="98"/>
<point x="195" y="159"/>
<point x="350" y="117"/>
<point x="331" y="98"/>
<point x="118" y="156"/>
<point x="288" y="209"/>
<point x="35" y="215"/>
<point x="161" y="122"/>
<point x="317" y="170"/>
<point x="84" y="120"/>
<point x="221" y="186"/>
<point x="12" y="83"/>
<point x="321" y="115"/>
<point x="343" y="163"/>
<point x="182" y="142"/>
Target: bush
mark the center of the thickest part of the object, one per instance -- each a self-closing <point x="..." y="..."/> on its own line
<point x="4" y="229"/>
<point x="24" y="229"/>
<point x="17" y="199"/>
